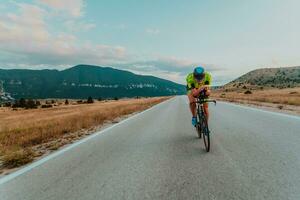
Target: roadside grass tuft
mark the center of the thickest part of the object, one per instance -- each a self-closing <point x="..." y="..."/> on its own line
<point x="18" y="158"/>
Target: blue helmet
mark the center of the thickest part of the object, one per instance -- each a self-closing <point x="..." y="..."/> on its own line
<point x="199" y="73"/>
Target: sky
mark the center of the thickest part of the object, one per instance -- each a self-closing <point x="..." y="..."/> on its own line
<point x="159" y="37"/>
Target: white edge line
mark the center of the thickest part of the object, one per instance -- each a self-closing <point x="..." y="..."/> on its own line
<point x="261" y="110"/>
<point x="59" y="152"/>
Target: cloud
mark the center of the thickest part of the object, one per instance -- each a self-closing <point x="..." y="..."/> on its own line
<point x="26" y="40"/>
<point x="171" y="68"/>
<point x="73" y="7"/>
<point x="74" y="25"/>
<point x="151" y="31"/>
<point x="181" y="66"/>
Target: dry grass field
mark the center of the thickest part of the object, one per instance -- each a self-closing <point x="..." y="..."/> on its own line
<point x="286" y="100"/>
<point x="22" y="130"/>
<point x="289" y="96"/>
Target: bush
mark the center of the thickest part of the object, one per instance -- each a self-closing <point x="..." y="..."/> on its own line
<point x="248" y="92"/>
<point x="79" y="101"/>
<point x="99" y="99"/>
<point x="90" y="100"/>
<point x="223" y="95"/>
<point x="22" y="103"/>
<point x="47" y="106"/>
<point x="30" y="104"/>
<point x="18" y="158"/>
<point x="67" y="102"/>
<point x="244" y="87"/>
<point x="8" y="104"/>
<point x="38" y="103"/>
<point x="294" y="92"/>
<point x="116" y="98"/>
<point x="280" y="107"/>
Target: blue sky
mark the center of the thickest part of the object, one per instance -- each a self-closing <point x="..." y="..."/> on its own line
<point x="159" y="37"/>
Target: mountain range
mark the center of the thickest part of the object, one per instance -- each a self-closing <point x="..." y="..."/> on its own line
<point x="82" y="81"/>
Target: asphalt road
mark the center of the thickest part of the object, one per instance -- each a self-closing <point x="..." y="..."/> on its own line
<point x="156" y="155"/>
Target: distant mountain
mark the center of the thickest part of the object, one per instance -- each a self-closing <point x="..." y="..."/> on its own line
<point x="82" y="81"/>
<point x="272" y="77"/>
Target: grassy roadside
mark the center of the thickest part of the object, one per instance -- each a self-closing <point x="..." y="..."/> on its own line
<point x="24" y="133"/>
<point x="288" y="98"/>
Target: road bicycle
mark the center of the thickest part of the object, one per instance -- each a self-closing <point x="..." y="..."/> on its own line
<point x="202" y="125"/>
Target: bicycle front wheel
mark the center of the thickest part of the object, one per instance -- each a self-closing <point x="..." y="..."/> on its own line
<point x="205" y="134"/>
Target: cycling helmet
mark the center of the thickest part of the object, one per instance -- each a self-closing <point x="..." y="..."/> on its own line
<point x="199" y="73"/>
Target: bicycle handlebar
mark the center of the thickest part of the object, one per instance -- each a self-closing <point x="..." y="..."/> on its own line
<point x="201" y="101"/>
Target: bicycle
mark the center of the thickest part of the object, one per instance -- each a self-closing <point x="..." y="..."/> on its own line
<point x="202" y="125"/>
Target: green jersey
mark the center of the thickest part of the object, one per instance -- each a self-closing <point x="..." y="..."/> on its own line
<point x="193" y="83"/>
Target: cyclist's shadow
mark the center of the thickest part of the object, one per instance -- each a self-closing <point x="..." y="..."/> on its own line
<point x="191" y="144"/>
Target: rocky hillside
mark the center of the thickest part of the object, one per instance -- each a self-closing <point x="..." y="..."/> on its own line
<point x="269" y="77"/>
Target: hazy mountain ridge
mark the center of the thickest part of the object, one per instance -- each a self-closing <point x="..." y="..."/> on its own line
<point x="272" y="77"/>
<point x="82" y="81"/>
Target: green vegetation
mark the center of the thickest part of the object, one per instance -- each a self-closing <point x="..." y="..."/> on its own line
<point x="82" y="81"/>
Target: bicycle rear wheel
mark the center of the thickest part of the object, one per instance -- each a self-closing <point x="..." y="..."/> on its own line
<point x="205" y="134"/>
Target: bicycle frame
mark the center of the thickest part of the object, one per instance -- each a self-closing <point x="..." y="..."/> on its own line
<point x="202" y="126"/>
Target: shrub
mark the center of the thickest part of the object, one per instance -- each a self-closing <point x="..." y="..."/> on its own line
<point x="294" y="92"/>
<point x="116" y="98"/>
<point x="18" y="158"/>
<point x="100" y="99"/>
<point x="280" y="107"/>
<point x="90" y="100"/>
<point x="244" y="87"/>
<point x="7" y="104"/>
<point x="247" y="92"/>
<point x="38" y="103"/>
<point x="67" y="102"/>
<point x="30" y="104"/>
<point x="79" y="101"/>
<point x="47" y="106"/>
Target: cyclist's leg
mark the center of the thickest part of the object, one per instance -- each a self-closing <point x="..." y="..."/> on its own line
<point x="205" y="106"/>
<point x="192" y="103"/>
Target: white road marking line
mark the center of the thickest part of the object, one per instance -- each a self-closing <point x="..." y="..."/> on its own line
<point x="262" y="110"/>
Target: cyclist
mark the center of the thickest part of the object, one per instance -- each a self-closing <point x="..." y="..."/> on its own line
<point x="198" y="83"/>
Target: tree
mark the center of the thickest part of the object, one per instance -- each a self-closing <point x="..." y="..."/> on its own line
<point x="22" y="103"/>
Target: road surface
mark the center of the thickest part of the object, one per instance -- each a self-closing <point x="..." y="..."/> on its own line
<point x="156" y="155"/>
